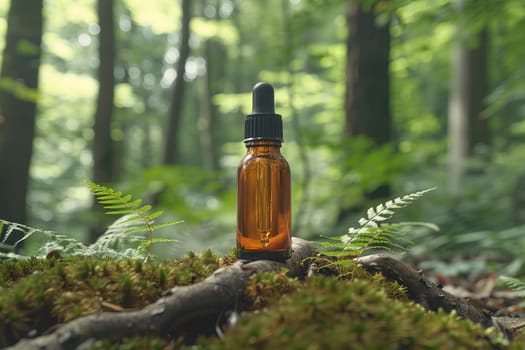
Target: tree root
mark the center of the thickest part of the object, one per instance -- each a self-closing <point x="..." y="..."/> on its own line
<point x="421" y="290"/>
<point x="426" y="293"/>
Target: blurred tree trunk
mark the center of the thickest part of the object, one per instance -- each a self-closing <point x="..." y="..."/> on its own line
<point x="367" y="99"/>
<point x="104" y="171"/>
<point x="240" y="82"/>
<point x="457" y="118"/>
<point x="179" y="86"/>
<point x="19" y="78"/>
<point x="214" y="52"/>
<point x="478" y="89"/>
<point x="301" y="219"/>
<point x="467" y="129"/>
<point x="207" y="112"/>
<point x="103" y="145"/>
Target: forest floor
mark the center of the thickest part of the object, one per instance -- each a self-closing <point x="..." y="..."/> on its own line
<point x="206" y="301"/>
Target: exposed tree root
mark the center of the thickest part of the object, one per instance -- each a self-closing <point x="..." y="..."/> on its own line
<point x="204" y="302"/>
<point x="421" y="290"/>
<point x="426" y="293"/>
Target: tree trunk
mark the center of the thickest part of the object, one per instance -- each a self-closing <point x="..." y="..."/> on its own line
<point x="103" y="145"/>
<point x="458" y="144"/>
<point x="300" y="220"/>
<point x="207" y="112"/>
<point x="175" y="109"/>
<point x="467" y="129"/>
<point x="367" y="98"/>
<point x="367" y="102"/>
<point x="479" y="133"/>
<point x="214" y="53"/>
<point x="19" y="77"/>
<point x="239" y="80"/>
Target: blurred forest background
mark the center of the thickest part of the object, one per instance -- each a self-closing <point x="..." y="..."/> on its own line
<point x="379" y="99"/>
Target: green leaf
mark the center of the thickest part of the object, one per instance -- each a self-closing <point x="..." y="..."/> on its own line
<point x="156" y="227"/>
<point x="513" y="283"/>
<point x="121" y="212"/>
<point x="146" y="242"/>
<point x="117" y="206"/>
<point x="154" y="215"/>
<point x="144" y="209"/>
<point x="126" y="199"/>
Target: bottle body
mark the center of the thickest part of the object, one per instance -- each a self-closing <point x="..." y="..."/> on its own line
<point x="263" y="203"/>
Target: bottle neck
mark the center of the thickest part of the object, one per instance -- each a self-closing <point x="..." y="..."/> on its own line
<point x="264" y="146"/>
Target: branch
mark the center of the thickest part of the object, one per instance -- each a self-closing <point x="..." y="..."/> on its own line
<point x="178" y="307"/>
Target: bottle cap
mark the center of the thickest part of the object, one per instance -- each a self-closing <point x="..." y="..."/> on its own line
<point x="263" y="123"/>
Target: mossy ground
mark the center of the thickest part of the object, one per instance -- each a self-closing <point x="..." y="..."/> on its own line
<point x="342" y="308"/>
<point x="36" y="294"/>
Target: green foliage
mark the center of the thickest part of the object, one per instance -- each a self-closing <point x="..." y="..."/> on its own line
<point x="513" y="283"/>
<point x="121" y="238"/>
<point x="137" y="218"/>
<point x="374" y="233"/>
<point x="517" y="284"/>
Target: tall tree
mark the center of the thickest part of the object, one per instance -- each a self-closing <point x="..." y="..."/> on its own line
<point x="468" y="89"/>
<point x="18" y="104"/>
<point x="479" y="132"/>
<point x="104" y="171"/>
<point x="103" y="149"/>
<point x="367" y="98"/>
<point x="367" y="102"/>
<point x="179" y="87"/>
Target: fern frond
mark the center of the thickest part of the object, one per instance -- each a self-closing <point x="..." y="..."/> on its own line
<point x="137" y="216"/>
<point x="383" y="211"/>
<point x="374" y="233"/>
<point x="512" y="283"/>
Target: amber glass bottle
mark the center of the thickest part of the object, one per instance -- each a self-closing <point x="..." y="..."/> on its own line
<point x="263" y="184"/>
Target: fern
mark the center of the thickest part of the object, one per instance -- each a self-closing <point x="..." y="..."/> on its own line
<point x="137" y="217"/>
<point x="512" y="283"/>
<point x="374" y="233"/>
<point x="119" y="239"/>
<point x="12" y="231"/>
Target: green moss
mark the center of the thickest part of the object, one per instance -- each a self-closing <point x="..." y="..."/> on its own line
<point x="39" y="293"/>
<point x="329" y="313"/>
<point x="354" y="310"/>
<point x="137" y="343"/>
<point x="11" y="270"/>
<point x="519" y="341"/>
<point x="265" y="288"/>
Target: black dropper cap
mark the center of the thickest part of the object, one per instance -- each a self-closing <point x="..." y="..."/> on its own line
<point x="263" y="123"/>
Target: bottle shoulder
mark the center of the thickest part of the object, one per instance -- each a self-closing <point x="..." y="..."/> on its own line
<point x="265" y="157"/>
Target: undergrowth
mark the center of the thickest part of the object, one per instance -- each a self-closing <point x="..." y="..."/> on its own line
<point x="123" y="238"/>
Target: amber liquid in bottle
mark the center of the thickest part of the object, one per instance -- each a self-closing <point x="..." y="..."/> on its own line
<point x="263" y="203"/>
